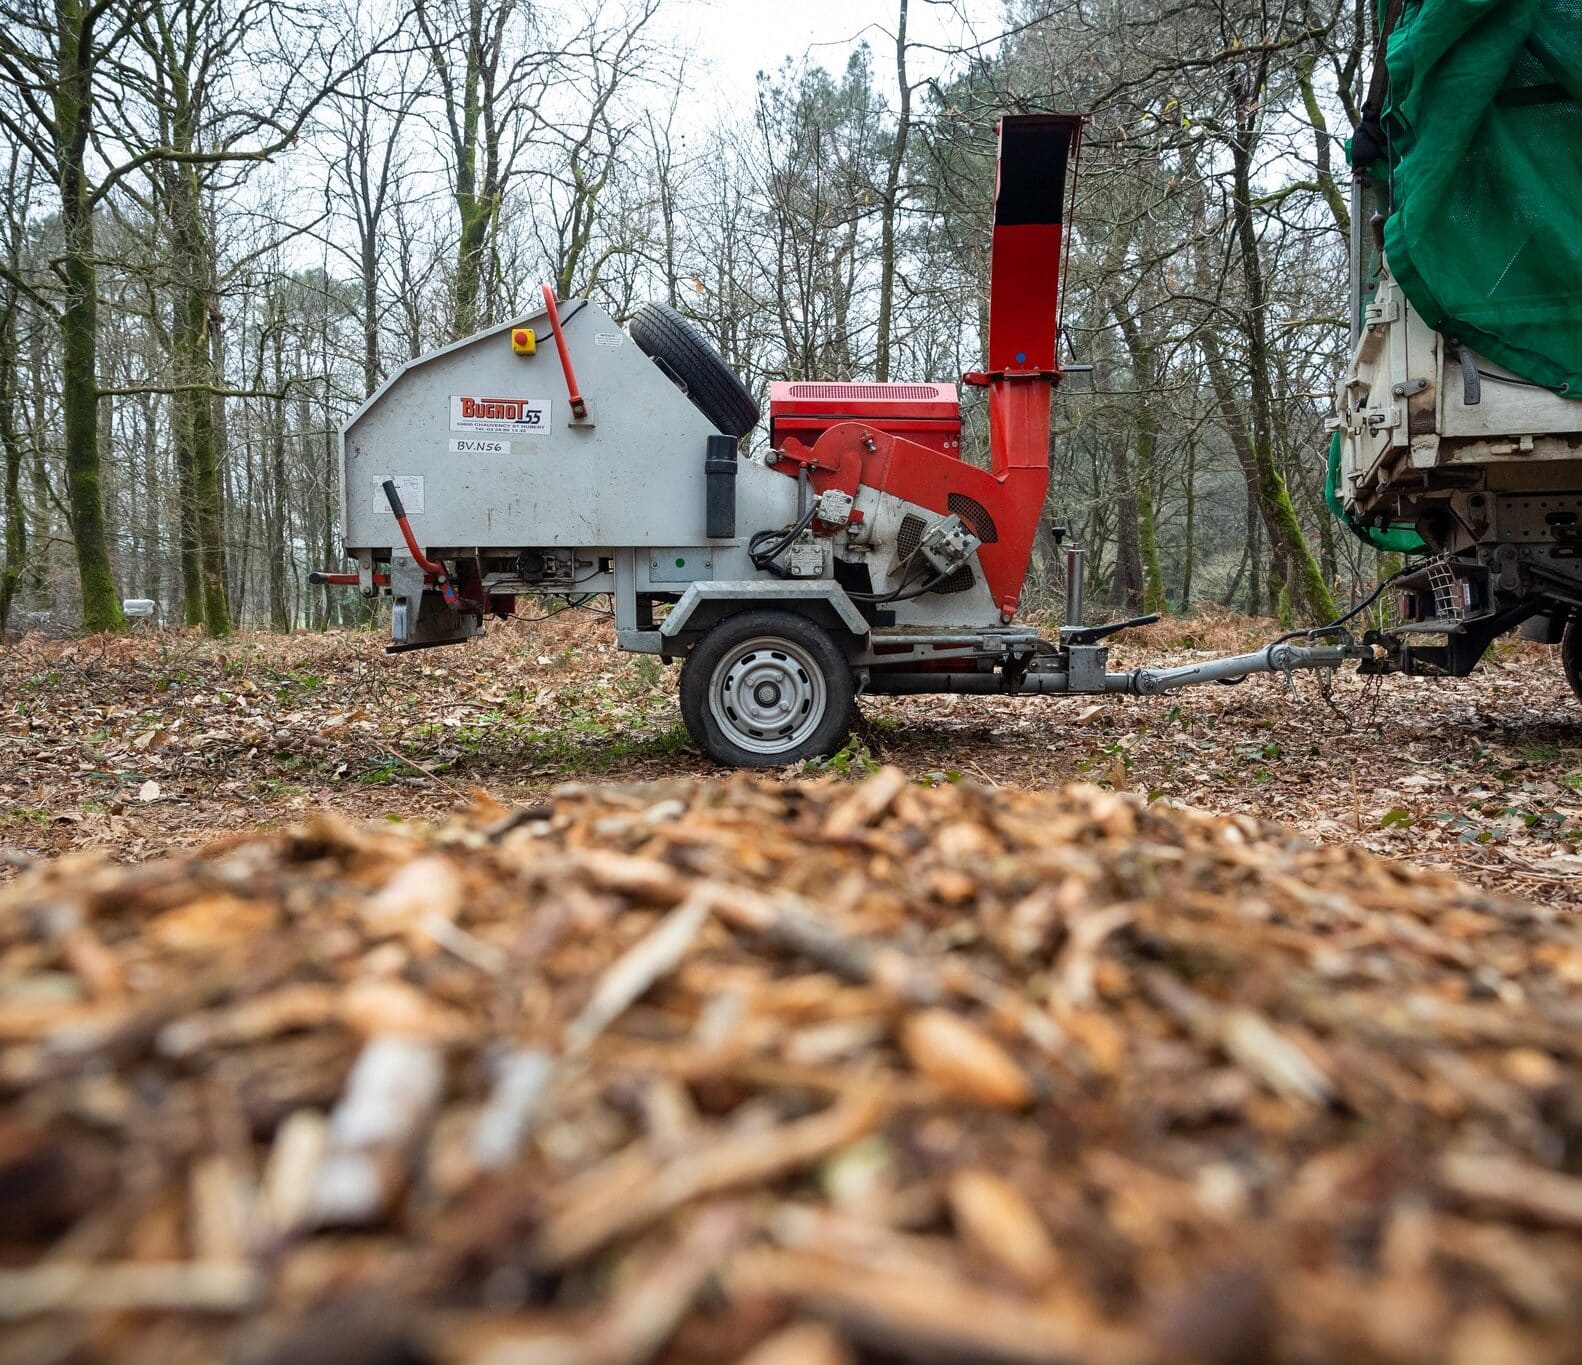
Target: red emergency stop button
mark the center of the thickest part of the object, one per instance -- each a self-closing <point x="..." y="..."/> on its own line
<point x="523" y="340"/>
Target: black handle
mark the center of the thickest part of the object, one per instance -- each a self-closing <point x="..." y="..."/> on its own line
<point x="395" y="499"/>
<point x="1090" y="635"/>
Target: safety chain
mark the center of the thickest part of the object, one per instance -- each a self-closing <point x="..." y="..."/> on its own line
<point x="1364" y="712"/>
<point x="1326" y="694"/>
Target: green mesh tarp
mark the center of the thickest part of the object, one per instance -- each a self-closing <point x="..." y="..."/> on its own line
<point x="1480" y="169"/>
<point x="1483" y="137"/>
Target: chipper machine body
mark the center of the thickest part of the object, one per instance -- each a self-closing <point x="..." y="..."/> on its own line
<point x="561" y="454"/>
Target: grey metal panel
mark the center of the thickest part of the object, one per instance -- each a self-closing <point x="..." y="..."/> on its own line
<point x="675" y="564"/>
<point x="765" y="592"/>
<point x="632" y="474"/>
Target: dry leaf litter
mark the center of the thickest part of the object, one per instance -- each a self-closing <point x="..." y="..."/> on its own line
<point x="144" y="743"/>
<point x="806" y="1072"/>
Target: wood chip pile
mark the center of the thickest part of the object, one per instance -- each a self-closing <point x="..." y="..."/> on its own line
<point x="805" y="1073"/>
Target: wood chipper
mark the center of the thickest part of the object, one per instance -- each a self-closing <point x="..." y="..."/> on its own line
<point x="563" y="454"/>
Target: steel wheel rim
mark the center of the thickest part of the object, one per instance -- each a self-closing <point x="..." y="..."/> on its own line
<point x="767" y="695"/>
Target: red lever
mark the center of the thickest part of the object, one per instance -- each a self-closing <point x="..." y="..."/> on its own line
<point x="579" y="409"/>
<point x="432" y="568"/>
<point x="345" y="580"/>
<point x="418" y="557"/>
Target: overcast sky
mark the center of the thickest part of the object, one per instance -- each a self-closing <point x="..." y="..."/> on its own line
<point x="734" y="39"/>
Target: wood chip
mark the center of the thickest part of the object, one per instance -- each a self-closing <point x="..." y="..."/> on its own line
<point x="996" y="1221"/>
<point x="788" y="1071"/>
<point x="964" y="1061"/>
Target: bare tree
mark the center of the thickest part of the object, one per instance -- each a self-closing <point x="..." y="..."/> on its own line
<point x="491" y="72"/>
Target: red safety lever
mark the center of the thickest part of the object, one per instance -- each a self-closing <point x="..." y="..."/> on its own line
<point x="433" y="568"/>
<point x="579" y="409"/>
<point x="345" y="580"/>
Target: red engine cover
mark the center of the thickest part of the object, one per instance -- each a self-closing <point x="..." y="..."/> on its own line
<point x="801" y="411"/>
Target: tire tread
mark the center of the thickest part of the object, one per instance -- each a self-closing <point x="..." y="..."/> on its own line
<point x="662" y="333"/>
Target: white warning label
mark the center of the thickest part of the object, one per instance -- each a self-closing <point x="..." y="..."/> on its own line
<point x="409" y="488"/>
<point x="499" y="416"/>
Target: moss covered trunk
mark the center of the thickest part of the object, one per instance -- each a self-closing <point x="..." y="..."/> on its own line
<point x="79" y="334"/>
<point x="15" y="513"/>
<point x="1304" y="588"/>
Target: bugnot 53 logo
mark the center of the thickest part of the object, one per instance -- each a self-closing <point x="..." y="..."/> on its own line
<point x="502" y="416"/>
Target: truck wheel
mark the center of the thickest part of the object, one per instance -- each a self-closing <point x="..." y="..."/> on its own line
<point x="685" y="354"/>
<point x="1571" y="654"/>
<point x="765" y="688"/>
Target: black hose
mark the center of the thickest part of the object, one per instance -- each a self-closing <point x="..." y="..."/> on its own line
<point x="764" y="559"/>
<point x="1356" y="611"/>
<point x="899" y="593"/>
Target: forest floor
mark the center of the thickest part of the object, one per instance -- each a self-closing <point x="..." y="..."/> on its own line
<point x="156" y="741"/>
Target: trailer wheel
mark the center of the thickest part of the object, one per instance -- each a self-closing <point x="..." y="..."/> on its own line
<point x="1571" y="654"/>
<point x="765" y="688"/>
<point x="685" y="354"/>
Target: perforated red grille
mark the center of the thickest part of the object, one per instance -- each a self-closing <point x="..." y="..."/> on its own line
<point x="895" y="392"/>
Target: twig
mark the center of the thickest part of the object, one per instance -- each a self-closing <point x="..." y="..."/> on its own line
<point x="427" y="772"/>
<point x="648" y="1309"/>
<point x="628" y="978"/>
<point x="122" y="1287"/>
<point x="607" y="1203"/>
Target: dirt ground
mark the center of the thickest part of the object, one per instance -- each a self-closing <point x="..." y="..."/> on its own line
<point x="155" y="741"/>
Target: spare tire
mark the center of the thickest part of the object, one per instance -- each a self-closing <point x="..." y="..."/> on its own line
<point x="684" y="353"/>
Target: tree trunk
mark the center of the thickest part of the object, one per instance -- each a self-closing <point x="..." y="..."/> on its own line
<point x="79" y="330"/>
<point x="193" y="369"/>
<point x="1254" y="552"/>
<point x="38" y="473"/>
<point x="1189" y="552"/>
<point x="890" y="204"/>
<point x="277" y="549"/>
<point x="15" y="513"/>
<point x="154" y="572"/>
<point x="186" y="499"/>
<point x="221" y="431"/>
<point x="368" y="262"/>
<point x="330" y="551"/>
<point x="1127" y="584"/>
<point x="475" y="213"/>
<point x="1151" y="596"/>
<point x="79" y="317"/>
<point x="1304" y="584"/>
